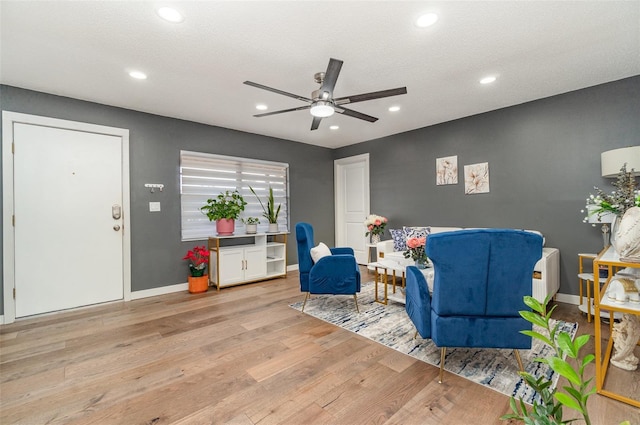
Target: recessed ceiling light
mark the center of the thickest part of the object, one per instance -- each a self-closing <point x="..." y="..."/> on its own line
<point x="334" y="127"/>
<point x="261" y="107"/>
<point x="487" y="80"/>
<point x="426" y="20"/>
<point x="394" y="109"/>
<point x="170" y="15"/>
<point x="138" y="75"/>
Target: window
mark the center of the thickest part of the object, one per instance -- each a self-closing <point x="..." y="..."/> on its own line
<point x="204" y="176"/>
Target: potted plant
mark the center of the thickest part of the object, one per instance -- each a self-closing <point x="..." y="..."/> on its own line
<point x="375" y="225"/>
<point x="579" y="388"/>
<point x="224" y="210"/>
<point x="198" y="259"/>
<point x="416" y="251"/>
<point x="251" y="224"/>
<point x="270" y="212"/>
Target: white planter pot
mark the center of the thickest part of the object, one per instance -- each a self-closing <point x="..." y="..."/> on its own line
<point x="252" y="228"/>
<point x="273" y="227"/>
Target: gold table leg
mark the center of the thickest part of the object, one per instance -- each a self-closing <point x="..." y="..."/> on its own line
<point x="377" y="279"/>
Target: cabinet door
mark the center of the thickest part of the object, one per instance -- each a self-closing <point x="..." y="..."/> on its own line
<point x="231" y="266"/>
<point x="256" y="263"/>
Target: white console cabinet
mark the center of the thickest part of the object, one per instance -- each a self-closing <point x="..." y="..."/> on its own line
<point x="238" y="259"/>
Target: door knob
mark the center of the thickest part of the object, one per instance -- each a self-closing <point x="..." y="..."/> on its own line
<point x="116" y="227"/>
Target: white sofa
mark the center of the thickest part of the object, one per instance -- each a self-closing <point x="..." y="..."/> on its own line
<point x="546" y="274"/>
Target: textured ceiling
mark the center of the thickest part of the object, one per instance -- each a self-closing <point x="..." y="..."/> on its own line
<point x="196" y="69"/>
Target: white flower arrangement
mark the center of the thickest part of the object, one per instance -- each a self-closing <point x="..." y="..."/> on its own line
<point x="619" y="201"/>
<point x="375" y="224"/>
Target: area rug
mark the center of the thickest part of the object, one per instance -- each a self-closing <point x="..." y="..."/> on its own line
<point x="389" y="325"/>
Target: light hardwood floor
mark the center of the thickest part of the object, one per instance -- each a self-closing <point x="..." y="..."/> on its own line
<point x="238" y="356"/>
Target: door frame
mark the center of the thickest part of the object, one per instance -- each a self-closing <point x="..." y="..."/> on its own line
<point x="338" y="184"/>
<point x="8" y="240"/>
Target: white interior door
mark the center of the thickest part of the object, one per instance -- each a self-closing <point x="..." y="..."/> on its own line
<point x="68" y="208"/>
<point x="352" y="203"/>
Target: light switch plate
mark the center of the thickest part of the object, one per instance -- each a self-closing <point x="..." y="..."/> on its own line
<point x="154" y="206"/>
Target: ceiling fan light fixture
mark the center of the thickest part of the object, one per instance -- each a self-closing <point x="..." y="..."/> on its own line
<point x="322" y="109"/>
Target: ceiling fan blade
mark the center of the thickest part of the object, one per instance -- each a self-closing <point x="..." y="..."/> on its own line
<point x="315" y="123"/>
<point x="299" y="108"/>
<point x="370" y="96"/>
<point x="284" y="93"/>
<point x="355" y="114"/>
<point x="331" y="76"/>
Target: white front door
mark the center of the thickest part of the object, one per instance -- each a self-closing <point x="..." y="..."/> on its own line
<point x="352" y="204"/>
<point x="69" y="214"/>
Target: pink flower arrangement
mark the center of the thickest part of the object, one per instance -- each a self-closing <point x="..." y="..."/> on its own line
<point x="198" y="260"/>
<point x="375" y="224"/>
<point x="416" y="249"/>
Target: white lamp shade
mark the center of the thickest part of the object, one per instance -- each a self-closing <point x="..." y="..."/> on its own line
<point x="612" y="161"/>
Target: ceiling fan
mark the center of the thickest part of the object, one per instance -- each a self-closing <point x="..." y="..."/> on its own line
<point x="322" y="104"/>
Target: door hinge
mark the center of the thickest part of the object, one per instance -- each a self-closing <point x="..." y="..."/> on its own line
<point x="13" y="147"/>
<point x="13" y="220"/>
<point x="14" y="293"/>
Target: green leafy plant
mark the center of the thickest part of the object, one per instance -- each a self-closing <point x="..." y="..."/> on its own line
<point x="251" y="220"/>
<point x="226" y="205"/>
<point x="549" y="411"/>
<point x="270" y="212"/>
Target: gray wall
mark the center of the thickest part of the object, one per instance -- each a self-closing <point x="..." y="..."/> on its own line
<point x="544" y="159"/>
<point x="155" y="143"/>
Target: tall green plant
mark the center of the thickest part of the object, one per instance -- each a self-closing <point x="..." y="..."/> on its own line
<point x="269" y="212"/>
<point x="579" y="389"/>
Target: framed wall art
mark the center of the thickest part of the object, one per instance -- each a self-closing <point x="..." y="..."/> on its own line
<point x="476" y="178"/>
<point x="447" y="170"/>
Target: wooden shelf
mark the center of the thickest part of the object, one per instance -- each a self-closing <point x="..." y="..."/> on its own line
<point x="610" y="259"/>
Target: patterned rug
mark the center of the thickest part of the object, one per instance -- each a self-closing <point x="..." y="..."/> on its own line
<point x="389" y="325"/>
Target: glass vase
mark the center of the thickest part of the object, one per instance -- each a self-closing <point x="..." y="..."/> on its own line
<point x="375" y="238"/>
<point x="421" y="263"/>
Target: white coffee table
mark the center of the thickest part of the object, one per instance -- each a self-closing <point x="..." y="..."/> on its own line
<point x="382" y="270"/>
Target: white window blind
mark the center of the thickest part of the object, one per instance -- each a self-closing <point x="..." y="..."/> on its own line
<point x="204" y="176"/>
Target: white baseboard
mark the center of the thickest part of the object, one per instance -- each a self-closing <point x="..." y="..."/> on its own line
<point x="568" y="298"/>
<point x="176" y="288"/>
<point x="2" y="320"/>
<point x="160" y="291"/>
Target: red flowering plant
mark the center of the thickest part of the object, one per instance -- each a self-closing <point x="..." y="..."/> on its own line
<point x="198" y="260"/>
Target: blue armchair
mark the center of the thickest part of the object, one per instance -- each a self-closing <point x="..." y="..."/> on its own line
<point x="336" y="274"/>
<point x="480" y="278"/>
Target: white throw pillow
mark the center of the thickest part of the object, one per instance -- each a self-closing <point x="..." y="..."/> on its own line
<point x="317" y="252"/>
